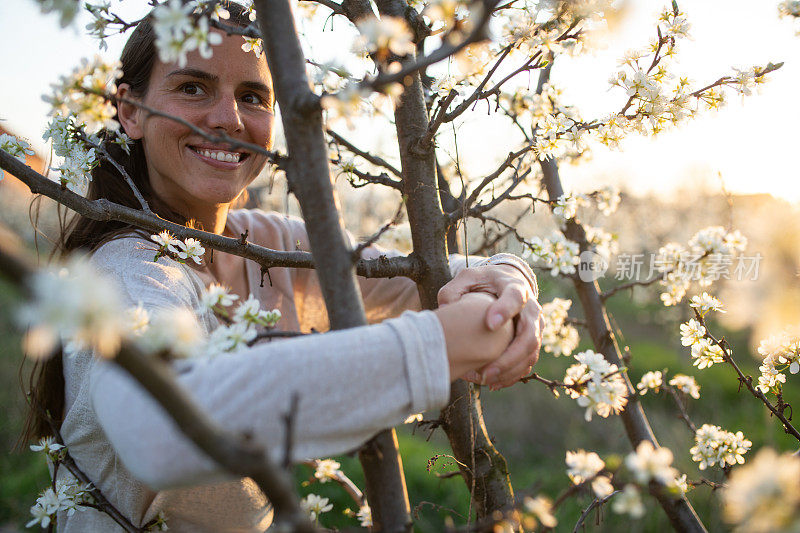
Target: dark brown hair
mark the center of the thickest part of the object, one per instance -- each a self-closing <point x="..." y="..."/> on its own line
<point x="45" y="390"/>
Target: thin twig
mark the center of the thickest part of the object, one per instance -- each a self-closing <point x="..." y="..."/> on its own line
<point x="122" y="171"/>
<point x="345" y="482"/>
<point x="101" y="502"/>
<point x="333" y="6"/>
<point x="595" y="503"/>
<point x="478" y="33"/>
<point x="375" y="160"/>
<point x="747" y="381"/>
<point x="605" y="295"/>
<point x="683" y="414"/>
<point x="372" y="239"/>
<point x="275" y="334"/>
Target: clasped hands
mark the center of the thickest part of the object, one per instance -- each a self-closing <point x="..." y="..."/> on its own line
<point x="515" y="301"/>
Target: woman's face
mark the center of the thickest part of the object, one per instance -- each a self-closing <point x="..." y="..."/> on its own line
<point x="229" y="93"/>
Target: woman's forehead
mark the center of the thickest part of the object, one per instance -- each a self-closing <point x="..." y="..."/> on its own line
<point x="227" y="64"/>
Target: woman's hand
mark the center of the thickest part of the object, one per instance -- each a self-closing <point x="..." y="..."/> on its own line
<point x="470" y="343"/>
<point x="515" y="298"/>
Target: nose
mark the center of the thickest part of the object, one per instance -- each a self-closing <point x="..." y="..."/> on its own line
<point x="224" y="115"/>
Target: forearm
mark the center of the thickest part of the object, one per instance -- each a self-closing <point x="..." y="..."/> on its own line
<point x="351" y="384"/>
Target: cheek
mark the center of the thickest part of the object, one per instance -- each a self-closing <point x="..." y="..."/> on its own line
<point x="262" y="131"/>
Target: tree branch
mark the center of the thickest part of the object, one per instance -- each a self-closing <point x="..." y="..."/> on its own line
<point x="238" y="455"/>
<point x="103" y="210"/>
<point x="678" y="509"/>
<point x="747" y="381"/>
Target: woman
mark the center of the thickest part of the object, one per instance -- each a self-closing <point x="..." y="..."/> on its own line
<point x="351" y="383"/>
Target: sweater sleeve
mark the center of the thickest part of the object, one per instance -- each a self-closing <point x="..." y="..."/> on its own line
<point x="350" y="384"/>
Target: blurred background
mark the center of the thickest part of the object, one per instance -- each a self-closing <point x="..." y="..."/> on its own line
<point x="734" y="168"/>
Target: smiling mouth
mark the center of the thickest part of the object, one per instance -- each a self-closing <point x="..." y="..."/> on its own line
<point x="220" y="155"/>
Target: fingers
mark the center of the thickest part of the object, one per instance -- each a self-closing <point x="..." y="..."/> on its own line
<point x="507" y="306"/>
<point x="523" y="352"/>
<point x="455" y="288"/>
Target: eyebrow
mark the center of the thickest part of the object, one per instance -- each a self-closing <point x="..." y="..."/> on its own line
<point x="203" y="75"/>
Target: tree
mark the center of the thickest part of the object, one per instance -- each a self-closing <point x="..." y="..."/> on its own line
<point x="405" y="43"/>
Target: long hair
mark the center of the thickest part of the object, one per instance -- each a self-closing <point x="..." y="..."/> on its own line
<point x="45" y="384"/>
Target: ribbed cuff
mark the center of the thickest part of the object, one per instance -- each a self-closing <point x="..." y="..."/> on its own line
<point x="427" y="367"/>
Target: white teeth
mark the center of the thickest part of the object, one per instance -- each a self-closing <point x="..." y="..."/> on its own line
<point x="219" y="155"/>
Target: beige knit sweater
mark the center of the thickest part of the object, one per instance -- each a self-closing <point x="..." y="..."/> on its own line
<point x="351" y="383"/>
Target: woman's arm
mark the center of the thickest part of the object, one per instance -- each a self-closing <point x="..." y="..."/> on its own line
<point x="351" y="384"/>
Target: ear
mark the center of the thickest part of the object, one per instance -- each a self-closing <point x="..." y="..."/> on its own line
<point x="129" y="115"/>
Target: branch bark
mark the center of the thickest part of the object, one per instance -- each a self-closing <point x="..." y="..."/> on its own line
<point x="266" y="258"/>
<point x="309" y="176"/>
<point x="486" y="473"/>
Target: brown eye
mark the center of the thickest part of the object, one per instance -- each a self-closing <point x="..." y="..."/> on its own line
<point x="191" y="89"/>
<point x="253" y="99"/>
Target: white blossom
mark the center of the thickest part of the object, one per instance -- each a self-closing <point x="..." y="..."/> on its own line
<point x="596" y="384"/>
<point x="764" y="495"/>
<point x="771" y="378"/>
<point x="191" y="249"/>
<point x="413" y="418"/>
<point x="558" y="337"/>
<point x="705" y="354"/>
<point x="253" y="44"/>
<point x="364" y="516"/>
<point x="692" y="332"/>
<point x="18" y="148"/>
<point x="650" y="381"/>
<point x="541" y="508"/>
<point x="177" y="33"/>
<point x="583" y="466"/>
<point x="250" y="311"/>
<point x="74" y="303"/>
<point x="79" y="94"/>
<point x="629" y="502"/>
<point x="565" y="207"/>
<point x="383" y="36"/>
<point x="166" y="242"/>
<point x="649" y="463"/>
<point x="686" y="384"/>
<point x="705" y="303"/>
<point x="608" y="199"/>
<point x="556" y="253"/>
<point x="230" y="338"/>
<point x="216" y="296"/>
<point x="172" y="330"/>
<point x="326" y="470"/>
<point x="315" y="505"/>
<point x="780" y="353"/>
<point x="714" y="445"/>
<point x="50" y="447"/>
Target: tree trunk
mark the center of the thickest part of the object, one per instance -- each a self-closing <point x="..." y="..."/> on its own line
<point x="486" y="474"/>
<point x="309" y="178"/>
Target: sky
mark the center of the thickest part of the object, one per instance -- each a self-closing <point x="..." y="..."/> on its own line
<point x="750" y="146"/>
